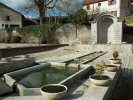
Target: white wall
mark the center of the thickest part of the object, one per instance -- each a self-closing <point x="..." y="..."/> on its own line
<point x="15" y="18"/>
<point x="120" y="7"/>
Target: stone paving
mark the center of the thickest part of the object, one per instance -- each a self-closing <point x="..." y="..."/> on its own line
<point x="127" y="60"/>
<point x="64" y="58"/>
<point x="127" y="71"/>
<point x="124" y="88"/>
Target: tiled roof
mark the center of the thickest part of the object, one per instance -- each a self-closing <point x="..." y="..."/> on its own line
<point x="1" y="4"/>
<point x="86" y="2"/>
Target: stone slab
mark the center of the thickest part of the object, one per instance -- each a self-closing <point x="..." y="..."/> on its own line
<point x="4" y="88"/>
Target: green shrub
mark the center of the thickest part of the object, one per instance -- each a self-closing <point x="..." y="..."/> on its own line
<point x="100" y="67"/>
<point x="39" y="31"/>
<point x="115" y="54"/>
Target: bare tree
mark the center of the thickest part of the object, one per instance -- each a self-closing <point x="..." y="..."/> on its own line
<point x="41" y="6"/>
<point x="68" y="6"/>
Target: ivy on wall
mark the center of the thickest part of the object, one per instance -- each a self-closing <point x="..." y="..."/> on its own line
<point x="39" y="31"/>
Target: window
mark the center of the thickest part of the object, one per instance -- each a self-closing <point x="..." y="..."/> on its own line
<point x="112" y="2"/>
<point x="7" y="18"/>
<point x="6" y="26"/>
<point x="2" y="25"/>
<point x="99" y="4"/>
<point x="88" y="7"/>
<point x="13" y="26"/>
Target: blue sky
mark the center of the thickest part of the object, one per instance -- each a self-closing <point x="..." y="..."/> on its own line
<point x="17" y="4"/>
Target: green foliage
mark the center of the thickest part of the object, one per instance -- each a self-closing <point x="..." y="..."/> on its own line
<point x="100" y="67"/>
<point x="115" y="54"/>
<point x="39" y="31"/>
<point x="80" y="17"/>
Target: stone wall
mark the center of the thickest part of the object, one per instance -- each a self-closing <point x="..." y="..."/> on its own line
<point x="16" y="65"/>
<point x="67" y="34"/>
<point x="4" y="33"/>
<point x="13" y="51"/>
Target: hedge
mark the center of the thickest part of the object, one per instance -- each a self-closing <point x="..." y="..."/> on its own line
<point x="39" y="31"/>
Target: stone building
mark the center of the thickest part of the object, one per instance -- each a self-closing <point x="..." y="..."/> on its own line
<point x="108" y="17"/>
<point x="119" y="8"/>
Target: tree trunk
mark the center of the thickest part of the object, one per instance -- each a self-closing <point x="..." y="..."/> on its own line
<point x="42" y="11"/>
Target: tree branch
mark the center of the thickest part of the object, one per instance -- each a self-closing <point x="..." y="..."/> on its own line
<point x="49" y="2"/>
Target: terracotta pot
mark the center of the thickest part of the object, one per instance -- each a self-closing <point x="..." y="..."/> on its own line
<point x="115" y="61"/>
<point x="111" y="68"/>
<point x="100" y="82"/>
<point x="53" y="91"/>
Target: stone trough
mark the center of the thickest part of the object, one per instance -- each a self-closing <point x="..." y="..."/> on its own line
<point x="23" y="91"/>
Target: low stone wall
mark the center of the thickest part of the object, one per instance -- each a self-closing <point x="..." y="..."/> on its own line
<point x="105" y="47"/>
<point x="9" y="51"/>
<point x="6" y="67"/>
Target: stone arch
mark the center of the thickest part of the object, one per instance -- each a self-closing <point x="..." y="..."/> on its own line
<point x="106" y="15"/>
<point x="106" y="29"/>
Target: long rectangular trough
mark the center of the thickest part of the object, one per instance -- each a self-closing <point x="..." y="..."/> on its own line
<point x="24" y="91"/>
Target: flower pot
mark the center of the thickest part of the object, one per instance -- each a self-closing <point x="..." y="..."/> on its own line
<point x="111" y="68"/>
<point x="103" y="81"/>
<point x="53" y="91"/>
<point x="115" y="61"/>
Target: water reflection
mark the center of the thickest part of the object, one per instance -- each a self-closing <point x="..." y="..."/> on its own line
<point x="46" y="76"/>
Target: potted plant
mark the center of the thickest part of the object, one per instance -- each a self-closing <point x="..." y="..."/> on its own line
<point x="99" y="78"/>
<point x="115" y="55"/>
<point x="53" y="91"/>
<point x="111" y="68"/>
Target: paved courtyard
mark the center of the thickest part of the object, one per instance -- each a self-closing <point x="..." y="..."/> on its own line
<point x="80" y="92"/>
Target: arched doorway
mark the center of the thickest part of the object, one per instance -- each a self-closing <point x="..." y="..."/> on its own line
<point x="105" y="30"/>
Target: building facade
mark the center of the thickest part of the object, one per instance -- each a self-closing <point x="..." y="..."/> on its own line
<point x="9" y="18"/>
<point x="119" y="8"/>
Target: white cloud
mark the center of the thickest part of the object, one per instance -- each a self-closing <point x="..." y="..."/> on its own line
<point x="14" y="3"/>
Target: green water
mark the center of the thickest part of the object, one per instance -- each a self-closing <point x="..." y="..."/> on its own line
<point x="51" y="75"/>
<point x="87" y="57"/>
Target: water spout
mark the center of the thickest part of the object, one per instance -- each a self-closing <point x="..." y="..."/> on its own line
<point x="76" y="60"/>
<point x="66" y="65"/>
<point x="78" y="66"/>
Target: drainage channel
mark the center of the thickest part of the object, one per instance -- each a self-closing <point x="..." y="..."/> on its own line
<point x="85" y="59"/>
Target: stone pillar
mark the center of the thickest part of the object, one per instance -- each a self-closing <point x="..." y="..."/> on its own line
<point x="93" y="33"/>
<point x="118" y="33"/>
